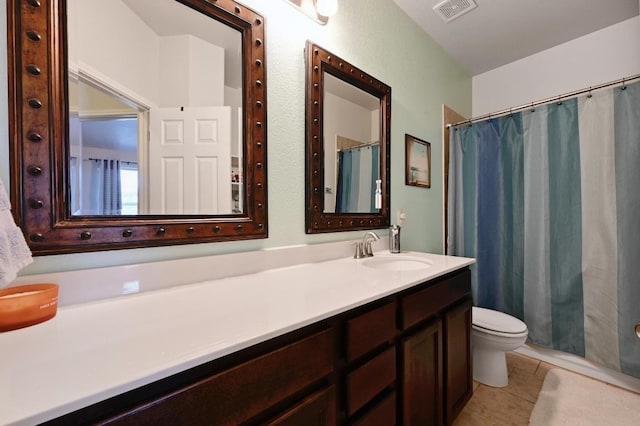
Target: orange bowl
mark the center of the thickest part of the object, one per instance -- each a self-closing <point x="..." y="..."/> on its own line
<point x="26" y="305"/>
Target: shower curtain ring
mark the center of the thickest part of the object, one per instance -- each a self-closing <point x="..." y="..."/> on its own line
<point x="624" y="86"/>
<point x="532" y="107"/>
<point x="589" y="95"/>
<point x="559" y="100"/>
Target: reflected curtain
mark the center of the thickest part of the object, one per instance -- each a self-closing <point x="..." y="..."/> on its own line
<point x="100" y="187"/>
<point x="111" y="188"/>
<point x="358" y="170"/>
<point x="547" y="201"/>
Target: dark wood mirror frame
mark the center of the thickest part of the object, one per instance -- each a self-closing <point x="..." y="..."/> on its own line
<point x="38" y="132"/>
<point x="319" y="61"/>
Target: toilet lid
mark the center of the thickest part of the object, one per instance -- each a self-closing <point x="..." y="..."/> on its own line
<point x="496" y="321"/>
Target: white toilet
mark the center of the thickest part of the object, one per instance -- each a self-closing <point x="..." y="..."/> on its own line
<point x="492" y="334"/>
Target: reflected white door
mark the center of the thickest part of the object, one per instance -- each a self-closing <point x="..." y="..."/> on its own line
<point x="190" y="160"/>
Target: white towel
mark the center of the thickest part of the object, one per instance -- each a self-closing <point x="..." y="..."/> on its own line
<point x="14" y="252"/>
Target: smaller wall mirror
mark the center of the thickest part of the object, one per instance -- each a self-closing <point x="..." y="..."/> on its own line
<point x="348" y="121"/>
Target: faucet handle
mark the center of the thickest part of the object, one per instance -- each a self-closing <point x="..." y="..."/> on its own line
<point x="368" y="251"/>
<point x="359" y="254"/>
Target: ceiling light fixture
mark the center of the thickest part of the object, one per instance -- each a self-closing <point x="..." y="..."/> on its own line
<point x="327" y="7"/>
<point x="318" y="10"/>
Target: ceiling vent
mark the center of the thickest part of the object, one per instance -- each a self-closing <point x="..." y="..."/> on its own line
<point x="449" y="10"/>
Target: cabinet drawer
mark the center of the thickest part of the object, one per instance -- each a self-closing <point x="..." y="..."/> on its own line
<point x="239" y="393"/>
<point x="424" y="303"/>
<point x="370" y="379"/>
<point x="383" y="413"/>
<point x="317" y="410"/>
<point x="368" y="330"/>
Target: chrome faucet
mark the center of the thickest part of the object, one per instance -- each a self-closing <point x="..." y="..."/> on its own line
<point x="363" y="248"/>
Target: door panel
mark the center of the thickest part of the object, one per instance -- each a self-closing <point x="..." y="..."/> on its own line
<point x="198" y="138"/>
<point x="422" y="377"/>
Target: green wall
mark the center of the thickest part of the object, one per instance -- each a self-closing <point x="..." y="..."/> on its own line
<point x="374" y="35"/>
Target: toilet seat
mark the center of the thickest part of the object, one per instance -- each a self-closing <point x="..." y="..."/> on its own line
<point x="497" y="323"/>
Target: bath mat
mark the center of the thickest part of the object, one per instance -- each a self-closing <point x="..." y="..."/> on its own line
<point x="568" y="398"/>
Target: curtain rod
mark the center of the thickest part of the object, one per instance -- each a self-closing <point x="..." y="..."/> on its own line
<point x="622" y="81"/>
<point x="364" y="145"/>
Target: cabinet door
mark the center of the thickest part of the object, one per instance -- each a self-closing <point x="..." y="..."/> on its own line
<point x="316" y="410"/>
<point x="422" y="376"/>
<point x="458" y="376"/>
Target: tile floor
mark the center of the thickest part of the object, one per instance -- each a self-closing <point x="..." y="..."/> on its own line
<point x="510" y="405"/>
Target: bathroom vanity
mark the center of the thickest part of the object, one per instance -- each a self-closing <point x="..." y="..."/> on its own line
<point x="334" y="342"/>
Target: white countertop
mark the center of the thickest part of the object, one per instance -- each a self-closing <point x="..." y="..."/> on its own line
<point x="99" y="349"/>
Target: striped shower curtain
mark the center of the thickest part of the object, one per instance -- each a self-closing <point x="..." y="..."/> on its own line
<point x="358" y="170"/>
<point x="548" y="202"/>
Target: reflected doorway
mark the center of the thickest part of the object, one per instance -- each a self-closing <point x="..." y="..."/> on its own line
<point x="105" y="150"/>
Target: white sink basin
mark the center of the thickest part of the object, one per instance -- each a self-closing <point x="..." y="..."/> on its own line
<point x="397" y="263"/>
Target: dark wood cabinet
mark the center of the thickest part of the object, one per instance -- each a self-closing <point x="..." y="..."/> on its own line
<point x="458" y="379"/>
<point x="372" y="328"/>
<point x="238" y="394"/>
<point x="381" y="413"/>
<point x="422" y="376"/>
<point x="404" y="359"/>
<point x="316" y="410"/>
<point x="437" y="377"/>
<point x="370" y="379"/>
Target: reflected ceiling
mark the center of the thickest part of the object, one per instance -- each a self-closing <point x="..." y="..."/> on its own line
<point x="163" y="16"/>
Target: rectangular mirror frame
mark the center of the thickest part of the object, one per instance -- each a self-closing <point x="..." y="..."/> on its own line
<point x="38" y="134"/>
<point x="319" y="61"/>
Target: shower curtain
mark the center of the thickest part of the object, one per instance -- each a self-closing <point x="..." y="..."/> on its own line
<point x="358" y="169"/>
<point x="548" y="202"/>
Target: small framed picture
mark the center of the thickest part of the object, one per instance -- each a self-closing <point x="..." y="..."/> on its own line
<point x="417" y="162"/>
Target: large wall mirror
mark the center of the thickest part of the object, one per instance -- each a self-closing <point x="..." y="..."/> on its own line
<point x="136" y="122"/>
<point x="348" y="122"/>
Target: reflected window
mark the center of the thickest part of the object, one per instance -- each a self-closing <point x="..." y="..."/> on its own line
<point x="129" y="188"/>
